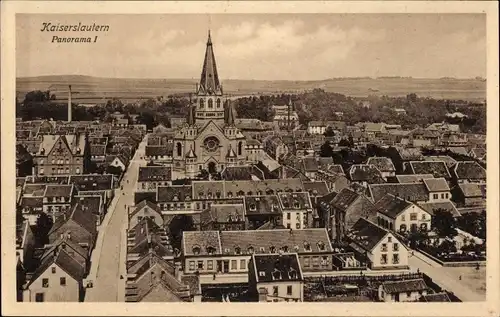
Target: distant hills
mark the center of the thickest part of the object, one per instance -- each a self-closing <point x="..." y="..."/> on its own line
<point x="88" y="89"/>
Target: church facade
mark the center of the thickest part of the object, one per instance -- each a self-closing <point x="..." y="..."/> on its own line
<point x="209" y="140"/>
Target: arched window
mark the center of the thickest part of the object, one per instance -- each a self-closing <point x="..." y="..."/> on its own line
<point x="240" y="146"/>
<point x="218" y="103"/>
<point x="210" y="103"/>
<point x="179" y="149"/>
<point x="202" y="102"/>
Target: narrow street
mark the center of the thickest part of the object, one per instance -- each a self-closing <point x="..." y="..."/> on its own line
<point x="445" y="278"/>
<point x="107" y="265"/>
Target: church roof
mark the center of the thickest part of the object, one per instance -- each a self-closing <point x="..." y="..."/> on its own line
<point x="209" y="82"/>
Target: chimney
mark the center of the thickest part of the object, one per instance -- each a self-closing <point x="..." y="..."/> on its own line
<point x="69" y="104"/>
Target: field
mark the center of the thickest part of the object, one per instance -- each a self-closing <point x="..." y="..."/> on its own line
<point x="472" y="278"/>
<point x="95" y="89"/>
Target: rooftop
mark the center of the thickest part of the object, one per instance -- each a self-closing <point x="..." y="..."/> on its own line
<point x="277" y="267"/>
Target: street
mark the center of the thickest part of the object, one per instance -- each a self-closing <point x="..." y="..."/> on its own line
<point x="445" y="278"/>
<point x="109" y="261"/>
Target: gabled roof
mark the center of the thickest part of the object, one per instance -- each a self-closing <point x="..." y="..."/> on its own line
<point x="242" y="173"/>
<point x="366" y="234"/>
<point x="316" y="188"/>
<point x="92" y="182"/>
<point x="222" y="213"/>
<point x="404" y="286"/>
<point x="383" y="164"/>
<point x="201" y="240"/>
<point x="174" y="193"/>
<point x="392" y="206"/>
<point x="58" y="191"/>
<point x="446" y="205"/>
<point x="473" y="190"/>
<point x="413" y="178"/>
<point x="142" y="204"/>
<point x="275" y="267"/>
<point x="154" y="173"/>
<point x="436" y="185"/>
<point x="344" y="199"/>
<point x="97" y="150"/>
<point x="469" y="170"/>
<point x="411" y="192"/>
<point x="263" y="204"/>
<point x="436" y="168"/>
<point x="295" y="200"/>
<point x="365" y="173"/>
<point x="310" y="164"/>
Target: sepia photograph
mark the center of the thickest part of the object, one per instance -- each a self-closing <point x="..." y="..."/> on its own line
<point x="250" y="157"/>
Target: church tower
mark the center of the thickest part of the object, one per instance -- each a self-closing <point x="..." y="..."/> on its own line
<point x="210" y="100"/>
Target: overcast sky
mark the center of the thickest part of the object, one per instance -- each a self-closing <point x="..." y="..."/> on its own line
<point x="259" y="46"/>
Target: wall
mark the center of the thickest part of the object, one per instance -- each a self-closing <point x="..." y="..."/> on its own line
<point x="376" y="254"/>
<point x="441" y="196"/>
<point x="55" y="292"/>
<point x="405" y="218"/>
<point x="297" y="290"/>
<point x="205" y="259"/>
<point x="403" y="297"/>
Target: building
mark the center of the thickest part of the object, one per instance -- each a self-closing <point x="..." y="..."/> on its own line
<point x="470" y="195"/>
<point x="364" y="174"/>
<point x="276" y="278"/>
<point x="377" y="246"/>
<point x="384" y="165"/>
<point x="62" y="155"/>
<point x="209" y="140"/>
<point x="402" y="291"/>
<point x="227" y="217"/>
<point x="297" y="208"/>
<point x="57" y="199"/>
<point x="143" y="210"/>
<point x="468" y="172"/>
<point x="151" y="177"/>
<point x="286" y="117"/>
<point x="397" y="214"/>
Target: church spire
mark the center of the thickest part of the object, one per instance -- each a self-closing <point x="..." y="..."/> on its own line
<point x="209" y="81"/>
<point x="230" y="114"/>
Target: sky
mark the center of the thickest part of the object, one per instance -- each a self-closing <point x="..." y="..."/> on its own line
<point x="258" y="46"/>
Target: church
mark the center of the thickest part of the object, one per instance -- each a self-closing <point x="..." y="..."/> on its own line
<point x="209" y="140"/>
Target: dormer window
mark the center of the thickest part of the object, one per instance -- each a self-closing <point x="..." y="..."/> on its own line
<point x="237" y="250"/>
<point x="253" y="207"/>
<point x="276" y="274"/>
<point x="210" y="250"/>
<point x="321" y="246"/>
<point x="209" y="195"/>
<point x="176" y="198"/>
<point x="307" y="247"/>
<point x="196" y="250"/>
<point x="285" y="248"/>
<point x="262" y="250"/>
<point x="272" y="249"/>
<point x="188" y="198"/>
<point x="292" y="274"/>
<point x="241" y="193"/>
<point x="250" y="193"/>
<point x="296" y="205"/>
<point x="229" y="218"/>
<point x="250" y="250"/>
<point x="259" y="192"/>
<point x="296" y="248"/>
<point x="229" y="194"/>
<point x="218" y="194"/>
<point x="200" y="194"/>
<point x="269" y="191"/>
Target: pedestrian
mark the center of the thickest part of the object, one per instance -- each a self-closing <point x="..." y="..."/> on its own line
<point x="460" y="278"/>
<point x="214" y="276"/>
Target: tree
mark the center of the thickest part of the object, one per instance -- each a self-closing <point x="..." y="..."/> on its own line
<point x="177" y="226"/>
<point x="344" y="142"/>
<point x="41" y="230"/>
<point x="444" y="223"/>
<point x="326" y="150"/>
<point x="474" y="223"/>
<point x="329" y="132"/>
<point x="417" y="238"/>
<point x="447" y="246"/>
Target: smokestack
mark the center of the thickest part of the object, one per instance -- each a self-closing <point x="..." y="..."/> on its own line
<point x="69" y="104"/>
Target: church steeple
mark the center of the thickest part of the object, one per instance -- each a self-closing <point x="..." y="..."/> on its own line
<point x="209" y="81"/>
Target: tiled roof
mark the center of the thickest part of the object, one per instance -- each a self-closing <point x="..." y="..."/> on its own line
<point x="413" y="178"/>
<point x="229" y="189"/>
<point x="436" y="168"/>
<point x="58" y="191"/>
<point x="411" y="192"/>
<point x="366" y="234"/>
<point x="200" y="242"/>
<point x="154" y="173"/>
<point x="163" y="150"/>
<point x="274" y="267"/>
<point x="295" y="200"/>
<point x="31" y="202"/>
<point x="75" y="143"/>
<point x="391" y="205"/>
<point x="262" y="241"/>
<point x="446" y="205"/>
<point x="458" y="150"/>
<point x="264" y="204"/>
<point x="437" y="297"/>
<point x="473" y="190"/>
<point x="436" y="185"/>
<point x="384" y="164"/>
<point x="142" y="204"/>
<point x="91" y="203"/>
<point x="316" y="188"/>
<point x="404" y="286"/>
<point x="92" y="182"/>
<point x="344" y="199"/>
<point x="147" y="235"/>
<point x="97" y="150"/>
<point x="409" y="153"/>
<point x="241" y="173"/>
<point x="225" y="213"/>
<point x="469" y="170"/>
<point x="310" y="164"/>
<point x="34" y="190"/>
<point x="365" y="173"/>
<point x="479" y="152"/>
<point x="45" y="180"/>
<point x="174" y="193"/>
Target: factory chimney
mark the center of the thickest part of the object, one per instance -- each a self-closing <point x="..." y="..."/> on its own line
<point x="69" y="104"/>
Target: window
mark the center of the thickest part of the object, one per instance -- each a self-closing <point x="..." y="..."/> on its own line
<point x="218" y="103"/>
<point x="447" y="195"/>
<point x="275" y="290"/>
<point x="288" y="226"/>
<point x="45" y="282"/>
<point x="39" y="297"/>
<point x="408" y="294"/>
<point x="297" y="225"/>
<point x="289" y="290"/>
<point x="403" y="218"/>
<point x="78" y="170"/>
<point x="383" y="259"/>
<point x="442" y="196"/>
<point x="41" y="170"/>
<point x="234" y="265"/>
<point x="424" y="217"/>
<point x="288" y="216"/>
<point x="200" y="265"/>
<point x="202" y="103"/>
<point x="210" y="264"/>
<point x="413" y="216"/>
<point x="306" y="262"/>
<point x="395" y="258"/>
<point x="191" y="265"/>
<point x="62" y="281"/>
<point x="384" y="247"/>
<point x="210" y="103"/>
<point x="402" y="228"/>
<point x="53" y="270"/>
<point x="395" y="247"/>
<point x="435" y="196"/>
<point x="315" y="261"/>
<point x="41" y="161"/>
